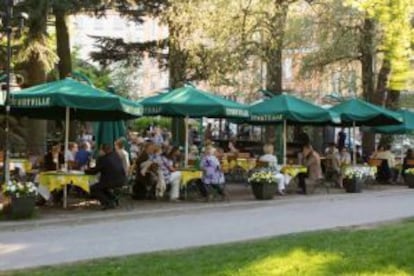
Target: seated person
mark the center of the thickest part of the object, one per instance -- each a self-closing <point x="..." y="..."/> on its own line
<point x="109" y="165"/>
<point x="212" y="174"/>
<point x="193" y="154"/>
<point x="54" y="159"/>
<point x="145" y="170"/>
<point x="271" y="159"/>
<point x="333" y="164"/>
<point x="386" y="171"/>
<point x="70" y="155"/>
<point x="312" y="162"/>
<point x="409" y="156"/>
<point x="232" y="145"/>
<point x="82" y="157"/>
<point x="171" y="176"/>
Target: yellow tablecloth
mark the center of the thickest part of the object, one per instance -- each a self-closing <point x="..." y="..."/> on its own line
<point x="57" y="180"/>
<point x="187" y="175"/>
<point x="21" y="163"/>
<point x="293" y="170"/>
<point x="245" y="163"/>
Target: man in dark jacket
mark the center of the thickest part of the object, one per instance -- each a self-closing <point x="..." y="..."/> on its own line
<point x="109" y="164"/>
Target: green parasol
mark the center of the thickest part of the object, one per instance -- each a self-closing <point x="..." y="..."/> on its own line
<point x="190" y="102"/>
<point x="287" y="109"/>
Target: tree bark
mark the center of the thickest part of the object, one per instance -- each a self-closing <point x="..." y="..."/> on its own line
<point x="65" y="57"/>
<point x="177" y="64"/>
<point x="36" y="74"/>
<point x="367" y="49"/>
<point x="63" y="44"/>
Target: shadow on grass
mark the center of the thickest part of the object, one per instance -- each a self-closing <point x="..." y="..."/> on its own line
<point x="388" y="250"/>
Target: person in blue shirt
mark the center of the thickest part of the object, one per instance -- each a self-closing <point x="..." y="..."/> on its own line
<point x="82" y="156"/>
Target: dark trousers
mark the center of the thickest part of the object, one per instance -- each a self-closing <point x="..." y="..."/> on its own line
<point x="103" y="193"/>
<point x="301" y="182"/>
<point x="204" y="188"/>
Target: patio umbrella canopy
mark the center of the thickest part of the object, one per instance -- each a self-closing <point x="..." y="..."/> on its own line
<point x="86" y="103"/>
<point x="71" y="100"/>
<point x="361" y="113"/>
<point x="289" y="109"/>
<point x="188" y="101"/>
<point x="356" y="112"/>
<point x="292" y="110"/>
<point x="407" y="127"/>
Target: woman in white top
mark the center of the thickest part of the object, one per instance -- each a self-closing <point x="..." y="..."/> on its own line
<point x="271" y="159"/>
<point x="123" y="154"/>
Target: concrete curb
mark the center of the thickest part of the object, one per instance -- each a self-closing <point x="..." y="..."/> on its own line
<point x="181" y="209"/>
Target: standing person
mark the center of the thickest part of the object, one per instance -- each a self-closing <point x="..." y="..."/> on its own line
<point x="123" y="154"/>
<point x="312" y="162"/>
<point x="109" y="165"/>
<point x="341" y="139"/>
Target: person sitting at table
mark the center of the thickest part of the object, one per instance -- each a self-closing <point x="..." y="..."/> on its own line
<point x="144" y="186"/>
<point x="386" y="170"/>
<point x="232" y="145"/>
<point x="83" y="156"/>
<point x="54" y="159"/>
<point x="333" y="164"/>
<point x="408" y="161"/>
<point x="112" y="175"/>
<point x="312" y="162"/>
<point x="271" y="159"/>
<point x="172" y="177"/>
<point x="212" y="174"/>
<point x="70" y="155"/>
<point x="123" y="154"/>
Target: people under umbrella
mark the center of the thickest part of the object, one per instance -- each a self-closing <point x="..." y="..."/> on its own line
<point x="149" y="166"/>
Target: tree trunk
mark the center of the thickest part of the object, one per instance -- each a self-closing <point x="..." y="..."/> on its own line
<point x="65" y="57"/>
<point x="274" y="69"/>
<point x="367" y="49"/>
<point x="177" y="60"/>
<point x="63" y="44"/>
<point x="36" y="74"/>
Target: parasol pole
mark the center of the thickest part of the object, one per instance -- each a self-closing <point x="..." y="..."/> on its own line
<point x="186" y="142"/>
<point x="284" y="142"/>
<point x="354" y="144"/>
<point x="67" y="120"/>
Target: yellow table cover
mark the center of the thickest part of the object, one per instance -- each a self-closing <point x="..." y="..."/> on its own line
<point x="293" y="170"/>
<point x="57" y="180"/>
<point x="187" y="175"/>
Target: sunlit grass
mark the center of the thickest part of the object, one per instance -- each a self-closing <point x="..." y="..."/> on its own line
<point x="386" y="250"/>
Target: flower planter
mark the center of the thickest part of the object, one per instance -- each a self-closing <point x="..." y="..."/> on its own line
<point x="21" y="207"/>
<point x="409" y="180"/>
<point x="263" y="190"/>
<point x="353" y="185"/>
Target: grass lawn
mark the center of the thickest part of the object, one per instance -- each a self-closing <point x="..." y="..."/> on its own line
<point x="386" y="250"/>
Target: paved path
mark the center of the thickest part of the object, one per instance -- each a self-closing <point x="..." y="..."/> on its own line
<point x="58" y="244"/>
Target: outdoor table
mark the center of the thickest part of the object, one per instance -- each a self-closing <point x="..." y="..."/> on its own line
<point x="246" y="163"/>
<point x="293" y="170"/>
<point x="23" y="164"/>
<point x="56" y="180"/>
<point x="189" y="174"/>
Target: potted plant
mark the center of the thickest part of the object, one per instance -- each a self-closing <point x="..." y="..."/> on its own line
<point x="263" y="184"/>
<point x="354" y="177"/>
<point x="409" y="177"/>
<point x="22" y="199"/>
